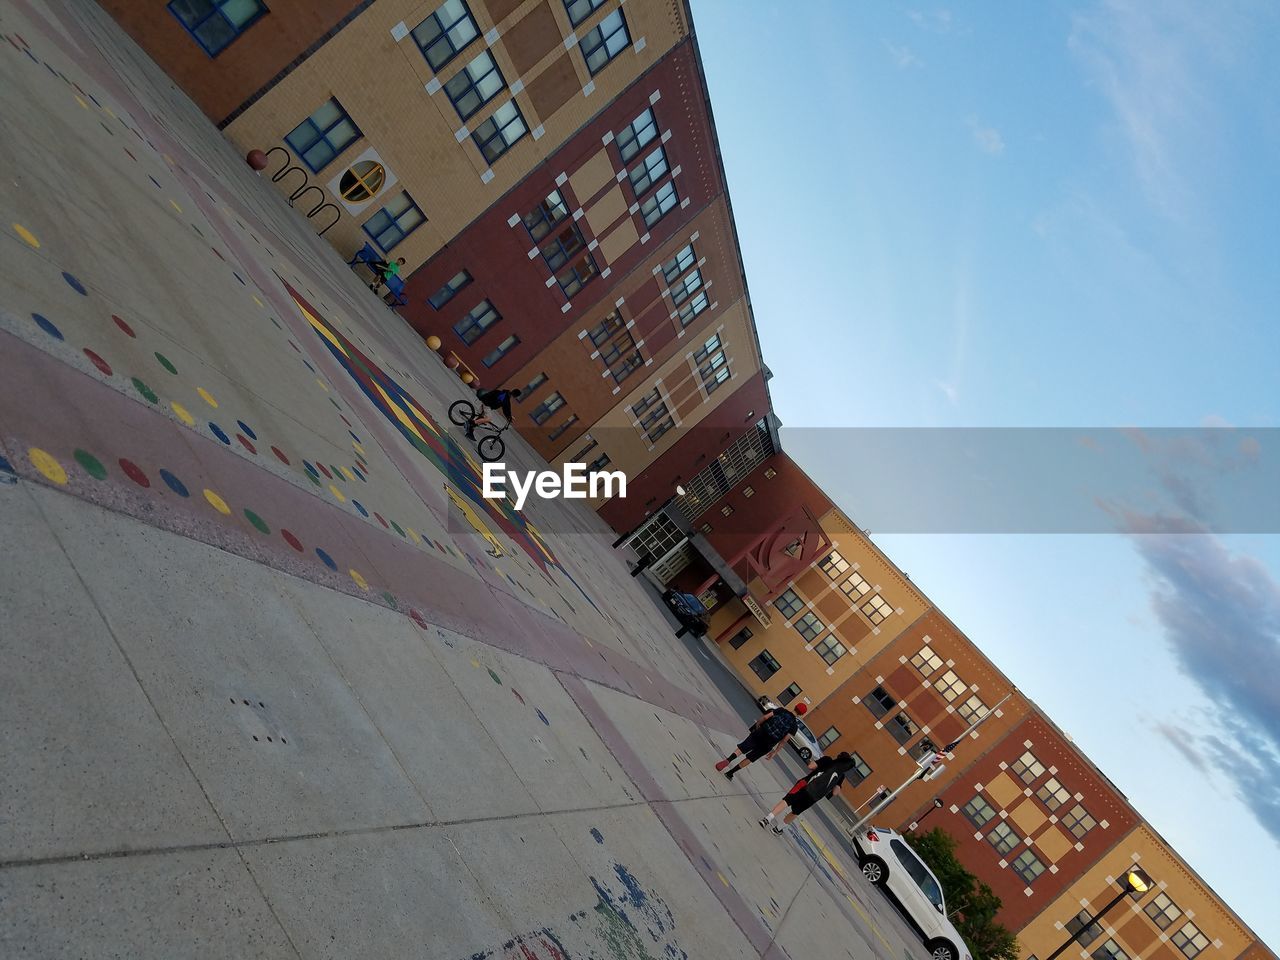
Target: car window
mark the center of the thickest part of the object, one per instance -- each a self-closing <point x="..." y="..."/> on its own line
<point x="911" y="863"/>
<point x="932" y="891"/>
<point x="804" y="731"/>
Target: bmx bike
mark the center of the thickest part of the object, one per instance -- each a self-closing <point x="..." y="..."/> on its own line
<point x="491" y="446"/>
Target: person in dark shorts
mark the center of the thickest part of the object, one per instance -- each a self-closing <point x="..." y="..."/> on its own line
<point x="825" y="775"/>
<point x="494" y="400"/>
<point x="766" y="738"/>
<point x="382" y="270"/>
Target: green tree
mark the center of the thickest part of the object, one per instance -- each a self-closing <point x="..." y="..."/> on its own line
<point x="972" y="905"/>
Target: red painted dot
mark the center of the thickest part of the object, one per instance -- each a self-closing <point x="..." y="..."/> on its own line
<point x="291" y="540"/>
<point x="244" y="442"/>
<point x="419" y="619"/>
<point x="346" y="421"/>
<point x="217" y="254"/>
<point x="280" y="455"/>
<point x="123" y="326"/>
<point x="323" y="469"/>
<point x="97" y="361"/>
<point x="131" y="156"/>
<point x="294" y="345"/>
<point x="378" y="517"/>
<point x="134" y="472"/>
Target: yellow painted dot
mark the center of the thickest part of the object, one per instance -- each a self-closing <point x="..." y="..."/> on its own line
<point x="108" y="112"/>
<point x="81" y="102"/>
<point x="175" y="206"/>
<point x="257" y="301"/>
<point x="359" y="449"/>
<point x="183" y="414"/>
<point x="322" y="385"/>
<point x="413" y="535"/>
<point x="361" y="582"/>
<point x="337" y="493"/>
<point x="207" y="397"/>
<point x="475" y="663"/>
<point x="216" y="502"/>
<point x="347" y="473"/>
<point x="167" y="159"/>
<point x="26" y="235"/>
<point x="46" y="464"/>
<point x="722" y="879"/>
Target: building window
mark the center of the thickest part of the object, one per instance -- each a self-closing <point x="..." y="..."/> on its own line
<point x="605" y="42"/>
<point x="877" y="610"/>
<point x="581" y="455"/>
<point x="1080" y="923"/>
<point x="829" y="737"/>
<point x="323" y="135"/>
<point x="726" y="510"/>
<point x="499" y="133"/>
<point x="475" y="85"/>
<point x="902" y="728"/>
<point x="606" y="328"/>
<point x="1028" y="866"/>
<point x="879" y="702"/>
<point x="474" y="324"/>
<point x="545" y="215"/>
<point x="678" y="264"/>
<point x="1190" y="940"/>
<point x="770" y="473"/>
<point x="660" y="204"/>
<point x="972" y="709"/>
<point x="599" y="463"/>
<point x="1079" y="822"/>
<point x="789" y="694"/>
<point x="693" y="308"/>
<point x="560" y="429"/>
<point x="531" y="386"/>
<point x="394" y="222"/>
<point x="788" y="603"/>
<point x="579" y="10"/>
<point x="215" y="23"/>
<point x="622" y="357"/>
<point x="450" y="289"/>
<point x="1053" y="794"/>
<point x="648" y="172"/>
<point x="950" y="686"/>
<point x="859" y="772"/>
<point x="748" y="492"/>
<point x="830" y="649"/>
<point x="566" y="244"/>
<point x="686" y="288"/>
<point x="854" y="585"/>
<point x="1027" y="768"/>
<point x="1163" y="911"/>
<point x="362" y="181"/>
<point x="809" y="626"/>
<point x="445" y="33"/>
<point x="1110" y="951"/>
<point x="926" y="661"/>
<point x="743" y="635"/>
<point x="655" y="419"/>
<point x="978" y="812"/>
<point x="713" y="365"/>
<point x="632" y="138"/>
<point x="573" y="278"/>
<point x="501" y="350"/>
<point x="1003" y="838"/>
<point x="543" y="411"/>
<point x="764" y="666"/>
<point x="833" y="565"/>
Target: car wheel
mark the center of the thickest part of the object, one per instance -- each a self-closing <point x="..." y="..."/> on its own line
<point x="873" y="869"/>
<point x="941" y="950"/>
<point x="806" y="754"/>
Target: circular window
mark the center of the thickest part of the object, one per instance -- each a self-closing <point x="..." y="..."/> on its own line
<point x="362" y="181"/>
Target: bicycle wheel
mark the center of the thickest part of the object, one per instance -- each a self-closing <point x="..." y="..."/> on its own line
<point x="491" y="448"/>
<point x="462" y="412"/>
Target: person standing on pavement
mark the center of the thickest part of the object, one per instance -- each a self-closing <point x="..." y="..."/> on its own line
<point x="825" y="775"/>
<point x="766" y="738"/>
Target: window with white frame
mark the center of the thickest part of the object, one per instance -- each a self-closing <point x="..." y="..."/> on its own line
<point x="926" y="661"/>
<point x="1053" y="794"/>
<point x="809" y="626"/>
<point x="1003" y="838"/>
<point x="855" y="587"/>
<point x="950" y="686"/>
<point x="833" y="565"/>
<point x="633" y="138"/>
<point x="1162" y="911"/>
<point x="1028" y="866"/>
<point x="677" y="265"/>
<point x="549" y="211"/>
<point x="1027" y="768"/>
<point x="475" y="85"/>
<point x="660" y="204"/>
<point x="648" y="171"/>
<point x="601" y="45"/>
<point x="1079" y="822"/>
<point x="692" y="308"/>
<point x="978" y="812"/>
<point x="830" y="649"/>
<point x="788" y="603"/>
<point x="1190" y="940"/>
<point x="683" y="289"/>
<point x="445" y="33"/>
<point x="877" y="609"/>
<point x="972" y="709"/>
<point x="655" y="419"/>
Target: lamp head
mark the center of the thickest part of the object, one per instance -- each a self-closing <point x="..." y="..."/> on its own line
<point x="1137" y="880"/>
<point x="680" y="491"/>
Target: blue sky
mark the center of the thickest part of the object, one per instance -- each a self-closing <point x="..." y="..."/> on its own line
<point x="1044" y="215"/>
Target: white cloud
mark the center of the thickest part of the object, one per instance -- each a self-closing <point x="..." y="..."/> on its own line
<point x="987" y="138"/>
<point x="902" y="56"/>
<point x="949" y="391"/>
<point x="935" y="21"/>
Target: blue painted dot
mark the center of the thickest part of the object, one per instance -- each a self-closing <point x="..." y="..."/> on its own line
<point x="94" y="99"/>
<point x="238" y="277"/>
<point x="47" y="326"/>
<point x="176" y="485"/>
<point x="310" y="469"/>
<point x="75" y="284"/>
<point x="359" y="506"/>
<point x="356" y="471"/>
<point x="326" y="559"/>
<point x="599" y="837"/>
<point x="7" y="473"/>
<point x="246" y="430"/>
<point x="217" y="432"/>
<point x="308" y="366"/>
<point x="543" y="717"/>
<point x="155" y="181"/>
<point x="354" y="437"/>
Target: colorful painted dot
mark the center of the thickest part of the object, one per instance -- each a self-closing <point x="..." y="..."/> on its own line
<point x="144" y="391"/>
<point x="207" y="397"/>
<point x="361" y="476"/>
<point x="155" y="181"/>
<point x="337" y="472"/>
<point x="418" y="618"/>
<point x="543" y="717"/>
<point x="217" y="502"/>
<point x="257" y="521"/>
<point x="134" y="472"/>
<point x="314" y="480"/>
<point x="240" y="278"/>
<point x="360" y="508"/>
<point x="244" y="442"/>
<point x="123" y="326"/>
<point x="308" y="366"/>
<point x="173" y="483"/>
<point x="496" y="678"/>
<point x="280" y="456"/>
<point x="356" y="439"/>
<point x="175" y="206"/>
<point x="183" y="414"/>
<point x="166" y="363"/>
<point x="98" y="362"/>
<point x="391" y="600"/>
<point x="45" y="324"/>
<point x="516" y="693"/>
<point x="257" y="301"/>
<point x="291" y="540"/>
<point x="397" y="528"/>
<point x="26" y="235"/>
<point x="78" y="100"/>
<point x="326" y="559"/>
<point x="377" y="516"/>
<point x="217" y="432"/>
<point x="325" y="470"/>
<point x="337" y="493"/>
<point x="75" y="284"/>
<point x="310" y="469"/>
<point x="322" y="385"/>
<point x="360" y="581"/>
<point x="475" y="663"/>
<point x="246" y="430"/>
<point x="90" y="464"/>
<point x="413" y="535"/>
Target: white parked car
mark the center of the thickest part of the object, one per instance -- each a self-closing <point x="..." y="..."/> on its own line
<point x="887" y="860"/>
<point x="803" y="741"/>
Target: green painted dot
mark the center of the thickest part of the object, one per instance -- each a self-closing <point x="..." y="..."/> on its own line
<point x="91" y="465"/>
<point x="391" y="601"/>
<point x="257" y="521"/>
<point x="147" y="393"/>
<point x="397" y="528"/>
<point x="496" y="678"/>
<point x="314" y="480"/>
<point x="166" y="362"/>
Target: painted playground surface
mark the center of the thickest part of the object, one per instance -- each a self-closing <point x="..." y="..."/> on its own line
<point x="275" y="680"/>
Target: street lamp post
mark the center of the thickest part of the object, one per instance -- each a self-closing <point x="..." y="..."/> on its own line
<point x="937" y="805"/>
<point x="1134" y="881"/>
